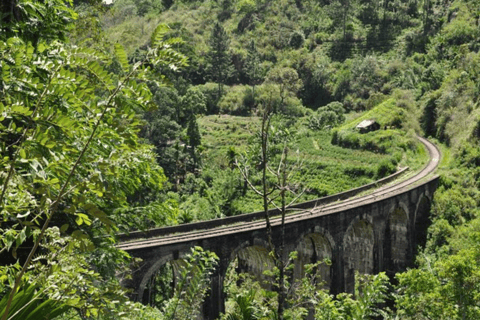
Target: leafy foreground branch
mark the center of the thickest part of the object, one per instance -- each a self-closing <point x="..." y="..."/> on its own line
<point x="63" y="286"/>
<point x="67" y="121"/>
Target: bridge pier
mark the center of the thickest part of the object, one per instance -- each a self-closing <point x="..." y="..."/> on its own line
<point x="214" y="303"/>
<point x="337" y="271"/>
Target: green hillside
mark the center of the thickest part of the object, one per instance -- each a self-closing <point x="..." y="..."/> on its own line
<point x="142" y="113"/>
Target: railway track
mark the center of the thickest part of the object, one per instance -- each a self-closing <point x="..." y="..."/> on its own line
<point x="303" y="214"/>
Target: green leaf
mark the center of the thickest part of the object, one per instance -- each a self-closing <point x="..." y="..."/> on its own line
<point x="50" y="144"/>
<point x="64" y="228"/>
<point x="78" y="234"/>
<point x="41" y="47"/>
<point x="83" y="218"/>
<point x="122" y="57"/>
<point x="21" y="237"/>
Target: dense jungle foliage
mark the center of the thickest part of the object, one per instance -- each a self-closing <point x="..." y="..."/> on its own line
<point x="140" y="113"/>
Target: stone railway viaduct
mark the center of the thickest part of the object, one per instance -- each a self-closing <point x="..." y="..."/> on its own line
<point x="370" y="233"/>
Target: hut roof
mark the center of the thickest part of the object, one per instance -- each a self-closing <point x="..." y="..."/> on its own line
<point x="366" y="123"/>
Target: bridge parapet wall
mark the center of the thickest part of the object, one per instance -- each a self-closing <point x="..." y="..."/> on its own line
<point x="158" y="232"/>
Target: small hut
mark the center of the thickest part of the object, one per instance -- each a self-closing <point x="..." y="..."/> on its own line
<point x="368" y="125"/>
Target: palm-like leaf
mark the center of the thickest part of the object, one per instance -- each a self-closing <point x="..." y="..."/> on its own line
<point x="29" y="304"/>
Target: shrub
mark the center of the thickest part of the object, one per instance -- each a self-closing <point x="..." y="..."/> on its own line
<point x="385" y="168"/>
<point x="330" y="115"/>
<point x="236" y="101"/>
<point x="246" y="6"/>
<point x="355" y="172"/>
<point x="271" y="94"/>
<point x="374" y="100"/>
<point x="297" y="38"/>
<point x="321" y="37"/>
<point x="335" y="137"/>
<point x="293" y="107"/>
<point x="210" y="91"/>
<point x="455" y="205"/>
<point x="470" y="155"/>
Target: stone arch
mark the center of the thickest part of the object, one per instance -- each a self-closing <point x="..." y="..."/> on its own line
<point x="176" y="262"/>
<point x="358" y="250"/>
<point x="162" y="283"/>
<point x="252" y="258"/>
<point x="245" y="244"/>
<point x="396" y="244"/>
<point x="311" y="248"/>
<point x="421" y="221"/>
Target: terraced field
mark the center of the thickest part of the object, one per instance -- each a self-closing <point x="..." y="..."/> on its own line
<point x="326" y="168"/>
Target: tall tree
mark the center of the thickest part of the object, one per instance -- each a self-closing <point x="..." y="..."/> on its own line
<point x="193" y="103"/>
<point x="194" y="139"/>
<point x="220" y="65"/>
<point x="342" y="11"/>
<point x="287" y="81"/>
<point x="274" y="194"/>
<point x="252" y="66"/>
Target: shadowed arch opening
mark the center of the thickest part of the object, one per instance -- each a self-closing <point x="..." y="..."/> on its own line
<point x="254" y="260"/>
<point x="312" y="248"/>
<point x="422" y="222"/>
<point x="358" y="246"/>
<point x="245" y="274"/>
<point x="161" y="284"/>
<point x="251" y="260"/>
<point x="396" y="242"/>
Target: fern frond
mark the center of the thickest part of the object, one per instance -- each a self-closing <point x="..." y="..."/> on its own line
<point x="158" y="35"/>
<point x="172" y="41"/>
<point x="121" y="57"/>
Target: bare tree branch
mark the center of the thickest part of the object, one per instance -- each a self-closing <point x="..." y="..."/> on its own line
<point x="296" y="198"/>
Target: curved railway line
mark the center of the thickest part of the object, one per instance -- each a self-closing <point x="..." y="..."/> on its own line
<point x="304" y="214"/>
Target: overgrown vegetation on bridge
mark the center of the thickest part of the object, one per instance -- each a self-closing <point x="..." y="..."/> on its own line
<point x="110" y="122"/>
